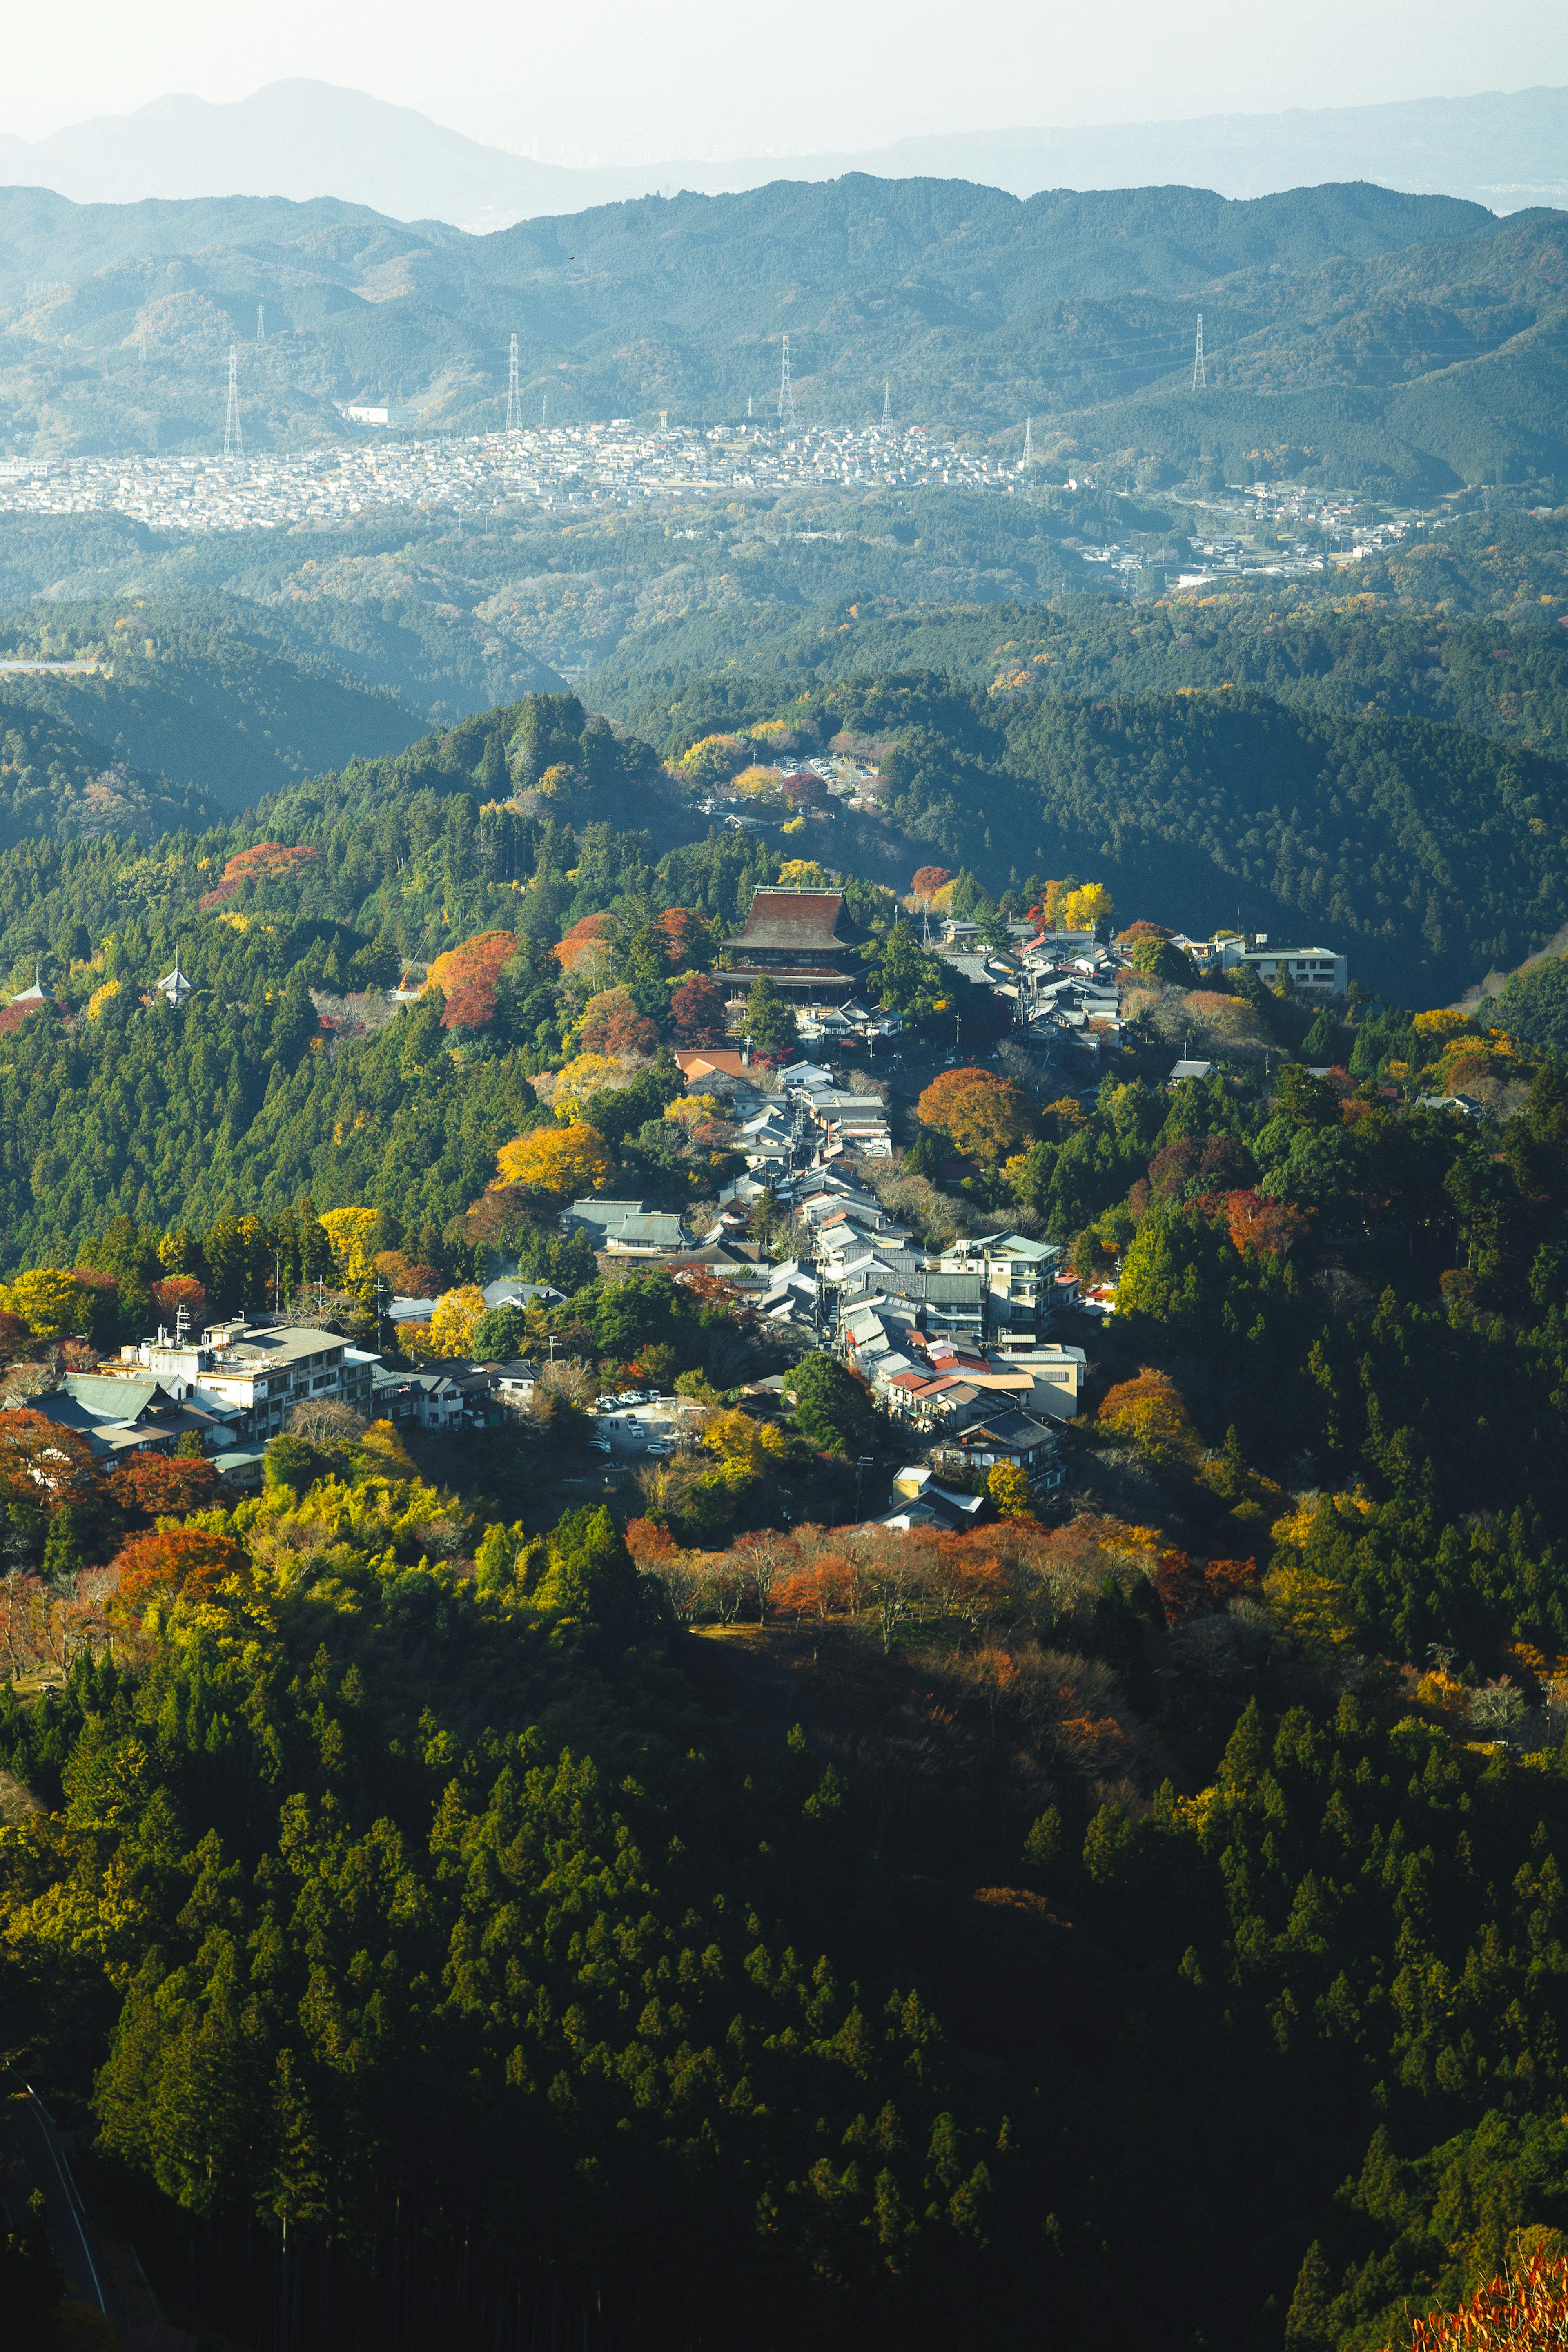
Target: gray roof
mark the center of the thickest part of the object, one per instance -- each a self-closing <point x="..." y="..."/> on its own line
<point x="1008" y="1429"/>
<point x="660" y="1228"/>
<point x="954" y="1289"/>
<point x="507" y="1291"/>
<point x="598" y="1211"/>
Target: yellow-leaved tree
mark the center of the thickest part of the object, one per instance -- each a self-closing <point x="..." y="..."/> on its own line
<point x="560" y="1161"/>
<point x="348" y="1233"/>
<point x="50" y="1303"/>
<point x="450" y="1330"/>
<point x="1009" y="1490"/>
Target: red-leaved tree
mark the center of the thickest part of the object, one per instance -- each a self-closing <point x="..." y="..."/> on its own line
<point x="697" y="1010"/>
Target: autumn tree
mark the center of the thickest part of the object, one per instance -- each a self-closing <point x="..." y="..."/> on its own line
<point x="928" y="880"/>
<point x="151" y="1486"/>
<point x="986" y="1117"/>
<point x="42" y="1462"/>
<point x="559" y="1162"/>
<point x="172" y="1561"/>
<point x="467" y="977"/>
<point x="1151" y="1413"/>
<point x="697" y="1007"/>
<point x="1009" y="1490"/>
<point x="612" y="1024"/>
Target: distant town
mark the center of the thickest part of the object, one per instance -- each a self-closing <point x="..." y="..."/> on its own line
<point x="553" y="467"/>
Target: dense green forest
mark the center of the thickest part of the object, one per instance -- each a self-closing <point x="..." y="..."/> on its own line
<point x="431" y="1909"/>
<point x="1358" y="335"/>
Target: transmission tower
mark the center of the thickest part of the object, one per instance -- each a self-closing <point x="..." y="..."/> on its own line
<point x="887" y="403"/>
<point x="233" y="439"/>
<point x="1199" y="377"/>
<point x="786" y="393"/>
<point x="544" y="409"/>
<point x="1027" y="443"/>
<point x="261" y="322"/>
<point x="513" y="397"/>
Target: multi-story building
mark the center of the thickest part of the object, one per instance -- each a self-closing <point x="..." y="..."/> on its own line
<point x="1016" y="1277"/>
<point x="256" y="1371"/>
<point x="801" y="940"/>
<point x="1319" y="971"/>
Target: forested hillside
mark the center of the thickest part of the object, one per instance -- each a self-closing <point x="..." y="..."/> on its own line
<point x="56" y="782"/>
<point x="1358" y="336"/>
<point x="199" y="692"/>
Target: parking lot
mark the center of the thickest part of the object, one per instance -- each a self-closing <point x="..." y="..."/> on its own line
<point x="631" y="1429"/>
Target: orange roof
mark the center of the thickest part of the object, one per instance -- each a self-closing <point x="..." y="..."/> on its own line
<point x="727" y="1059"/>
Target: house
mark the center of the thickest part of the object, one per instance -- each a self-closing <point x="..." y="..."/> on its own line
<point x="431" y="1401"/>
<point x="1056" y="1374"/>
<point x="1015" y="1439"/>
<point x="803" y="941"/>
<point x="713" y="1061"/>
<point x="118" y="1416"/>
<point x="1318" y="972"/>
<point x="920" y="1500"/>
<point x="955" y="1305"/>
<point x="625" y="1226"/>
<point x="1186" y="1069"/>
<point x="506" y="1290"/>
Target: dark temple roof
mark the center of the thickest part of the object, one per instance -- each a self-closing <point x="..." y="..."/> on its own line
<point x="806" y="921"/>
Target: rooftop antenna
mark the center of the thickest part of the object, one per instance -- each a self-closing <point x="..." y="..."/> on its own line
<point x="1199" y="374"/>
<point x="786" y="393"/>
<point x="1027" y="443"/>
<point x="886" y="402"/>
<point x="513" y="397"/>
<point x="233" y="439"/>
<point x="261" y="322"/>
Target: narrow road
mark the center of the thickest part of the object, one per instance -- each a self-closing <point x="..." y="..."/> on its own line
<point x="31" y="2157"/>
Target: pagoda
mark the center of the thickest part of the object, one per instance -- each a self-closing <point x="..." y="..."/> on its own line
<point x="802" y="940"/>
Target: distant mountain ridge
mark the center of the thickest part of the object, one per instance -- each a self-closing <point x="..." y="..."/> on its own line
<point x="1355" y="334"/>
<point x="303" y="139"/>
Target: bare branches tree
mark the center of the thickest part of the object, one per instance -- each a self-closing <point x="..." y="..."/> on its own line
<point x="325" y="1421"/>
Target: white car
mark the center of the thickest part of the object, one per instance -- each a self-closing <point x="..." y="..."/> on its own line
<point x="599" y="1445"/>
<point x="659" y="1445"/>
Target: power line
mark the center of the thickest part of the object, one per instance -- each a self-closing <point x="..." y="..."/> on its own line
<point x="786" y="393"/>
<point x="513" y="397"/>
<point x="233" y="439"/>
<point x="1199" y="378"/>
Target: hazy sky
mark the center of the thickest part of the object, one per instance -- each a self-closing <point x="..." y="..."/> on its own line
<point x="623" y="80"/>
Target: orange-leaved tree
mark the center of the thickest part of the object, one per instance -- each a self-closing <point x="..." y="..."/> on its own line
<point x="466" y="977"/>
<point x="613" y="1024"/>
<point x="162" y="1485"/>
<point x="41" y="1462"/>
<point x="172" y="1561"/>
<point x="562" y="1162"/>
<point x="1151" y="1414"/>
<point x="177" y="1290"/>
<point x="928" y="880"/>
<point x="985" y="1116"/>
<point x="586" y="944"/>
<point x="1524" y="2310"/>
<point x="1256" y="1222"/>
<point x="264" y="861"/>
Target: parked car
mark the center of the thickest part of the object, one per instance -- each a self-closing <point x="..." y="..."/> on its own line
<point x="659" y="1445"/>
<point x="599" y="1445"/>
